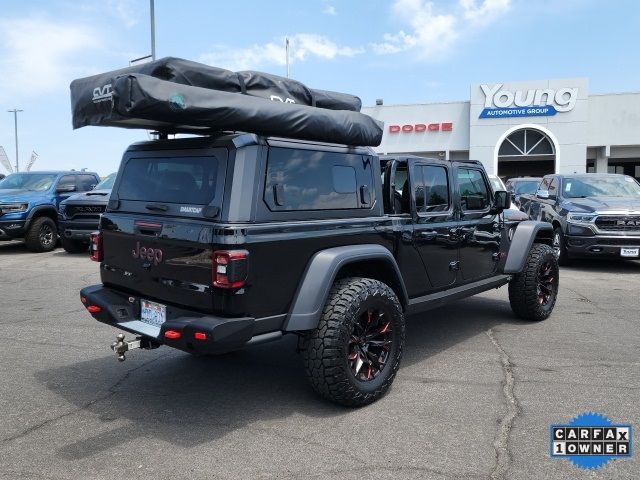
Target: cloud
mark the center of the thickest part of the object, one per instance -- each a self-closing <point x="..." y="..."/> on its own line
<point x="431" y="32"/>
<point x="303" y="46"/>
<point x="36" y="54"/>
<point x="127" y="11"/>
<point x="330" y="10"/>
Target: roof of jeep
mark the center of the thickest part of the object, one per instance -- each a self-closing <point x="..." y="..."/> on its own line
<point x="240" y="139"/>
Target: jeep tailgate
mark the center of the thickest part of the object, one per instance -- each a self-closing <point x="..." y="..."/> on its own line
<point x="164" y="259"/>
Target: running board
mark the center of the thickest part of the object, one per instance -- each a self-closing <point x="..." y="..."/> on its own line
<point x="434" y="300"/>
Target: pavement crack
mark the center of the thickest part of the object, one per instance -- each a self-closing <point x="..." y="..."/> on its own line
<point x="112" y="390"/>
<point x="513" y="410"/>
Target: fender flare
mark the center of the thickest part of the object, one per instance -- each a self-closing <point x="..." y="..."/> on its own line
<point x="523" y="238"/>
<point x="40" y="208"/>
<point x="320" y="274"/>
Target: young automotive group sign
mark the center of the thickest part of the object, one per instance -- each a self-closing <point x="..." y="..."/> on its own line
<point x="541" y="102"/>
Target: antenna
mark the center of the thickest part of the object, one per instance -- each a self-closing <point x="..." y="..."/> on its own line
<point x="4" y="160"/>
<point x="32" y="160"/>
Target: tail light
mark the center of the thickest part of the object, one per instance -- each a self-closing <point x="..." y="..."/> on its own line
<point x="95" y="242"/>
<point x="230" y="268"/>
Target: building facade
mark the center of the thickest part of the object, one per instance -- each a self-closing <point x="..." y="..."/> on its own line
<point x="522" y="128"/>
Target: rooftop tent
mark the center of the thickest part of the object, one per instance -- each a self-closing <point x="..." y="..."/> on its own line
<point x="173" y="95"/>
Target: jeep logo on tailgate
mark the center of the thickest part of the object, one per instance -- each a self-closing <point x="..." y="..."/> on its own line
<point x="147" y="253"/>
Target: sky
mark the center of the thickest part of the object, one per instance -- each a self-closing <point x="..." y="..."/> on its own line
<point x="403" y="51"/>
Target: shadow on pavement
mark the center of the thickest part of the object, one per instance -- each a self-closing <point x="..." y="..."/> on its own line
<point x="187" y="400"/>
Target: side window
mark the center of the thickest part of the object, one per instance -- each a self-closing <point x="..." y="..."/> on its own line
<point x="311" y="180"/>
<point x="401" y="191"/>
<point x="474" y="194"/>
<point x="436" y="188"/>
<point x="86" y="183"/>
<point x="431" y="189"/>
<point x="553" y="186"/>
<point x="67" y="181"/>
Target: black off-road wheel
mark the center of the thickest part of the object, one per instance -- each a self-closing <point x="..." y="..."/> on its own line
<point x="353" y="355"/>
<point x="560" y="247"/>
<point x="42" y="235"/>
<point x="74" y="246"/>
<point x="533" y="292"/>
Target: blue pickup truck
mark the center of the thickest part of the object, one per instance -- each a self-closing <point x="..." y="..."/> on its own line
<point x="29" y="204"/>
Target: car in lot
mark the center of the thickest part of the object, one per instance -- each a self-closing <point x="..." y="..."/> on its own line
<point x="592" y="214"/>
<point x="519" y="186"/>
<point x="212" y="243"/>
<point x="79" y="215"/>
<point x="29" y="204"/>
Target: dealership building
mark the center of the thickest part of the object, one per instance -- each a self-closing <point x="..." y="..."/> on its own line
<point x="522" y="128"/>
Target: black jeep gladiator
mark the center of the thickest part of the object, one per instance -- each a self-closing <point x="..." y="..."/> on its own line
<point x="592" y="214"/>
<point x="212" y="243"/>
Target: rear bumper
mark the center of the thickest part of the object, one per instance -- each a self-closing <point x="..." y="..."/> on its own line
<point x="122" y="311"/>
<point x="600" y="245"/>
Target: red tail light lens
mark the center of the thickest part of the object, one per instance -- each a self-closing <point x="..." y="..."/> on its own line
<point x="95" y="243"/>
<point x="94" y="309"/>
<point x="230" y="268"/>
<point x="172" y="335"/>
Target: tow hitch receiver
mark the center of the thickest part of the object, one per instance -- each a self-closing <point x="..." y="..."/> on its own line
<point x="121" y="347"/>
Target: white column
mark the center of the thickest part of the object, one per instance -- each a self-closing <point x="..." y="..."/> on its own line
<point x="602" y="160"/>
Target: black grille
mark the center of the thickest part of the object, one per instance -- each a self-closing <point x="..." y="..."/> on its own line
<point x="619" y="242"/>
<point x="87" y="211"/>
<point x="619" y="223"/>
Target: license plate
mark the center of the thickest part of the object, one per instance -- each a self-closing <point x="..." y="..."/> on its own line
<point x="629" y="252"/>
<point x="153" y="313"/>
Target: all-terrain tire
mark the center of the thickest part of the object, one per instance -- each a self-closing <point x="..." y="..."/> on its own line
<point x="560" y="246"/>
<point x="74" y="246"/>
<point x="533" y="292"/>
<point x="42" y="235"/>
<point x="327" y="349"/>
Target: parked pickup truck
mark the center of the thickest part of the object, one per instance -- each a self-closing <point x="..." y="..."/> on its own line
<point x="212" y="243"/>
<point x="29" y="204"/>
<point x="592" y="214"/>
<point x="79" y="215"/>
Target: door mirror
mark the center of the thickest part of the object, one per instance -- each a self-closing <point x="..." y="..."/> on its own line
<point x="501" y="201"/>
<point x="65" y="188"/>
<point x="544" y="194"/>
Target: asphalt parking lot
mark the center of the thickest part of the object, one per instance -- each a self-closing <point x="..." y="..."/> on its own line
<point x="474" y="398"/>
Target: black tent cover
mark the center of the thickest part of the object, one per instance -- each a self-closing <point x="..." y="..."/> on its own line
<point x="173" y="95"/>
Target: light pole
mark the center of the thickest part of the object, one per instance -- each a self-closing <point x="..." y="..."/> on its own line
<point x="153" y="30"/>
<point x="286" y="52"/>
<point x="15" y="125"/>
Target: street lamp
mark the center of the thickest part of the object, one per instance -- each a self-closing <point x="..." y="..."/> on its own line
<point x="152" y="12"/>
<point x="15" y="123"/>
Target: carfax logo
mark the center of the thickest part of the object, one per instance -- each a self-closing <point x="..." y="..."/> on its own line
<point x="590" y="440"/>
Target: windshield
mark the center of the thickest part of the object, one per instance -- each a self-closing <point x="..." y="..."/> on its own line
<point x="520" y="188"/>
<point x="38" y="182"/>
<point x="496" y="184"/>
<point x="579" y="187"/>
<point x="107" y="183"/>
